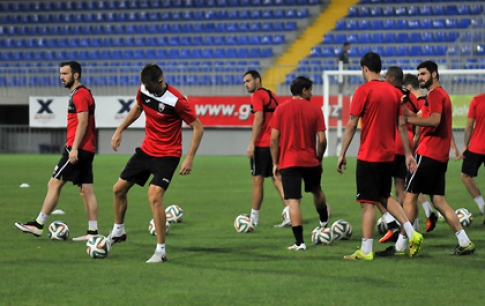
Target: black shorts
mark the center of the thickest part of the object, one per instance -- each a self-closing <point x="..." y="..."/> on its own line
<point x="374" y="181"/>
<point x="261" y="163"/>
<point x="141" y="166"/>
<point x="78" y="173"/>
<point x="291" y="179"/>
<point x="399" y="167"/>
<point x="471" y="163"/>
<point x="429" y="178"/>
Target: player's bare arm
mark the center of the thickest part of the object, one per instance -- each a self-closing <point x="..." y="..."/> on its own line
<point x="411" y="164"/>
<point x="433" y="120"/>
<point x="257" y="123"/>
<point x="134" y="114"/>
<point x="322" y="145"/>
<point x="82" y="126"/>
<point x="198" y="131"/>
<point x="274" y="147"/>
<point x="470" y="126"/>
<point x="349" y="133"/>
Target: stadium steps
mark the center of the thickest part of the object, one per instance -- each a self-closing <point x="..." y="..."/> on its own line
<point x="301" y="47"/>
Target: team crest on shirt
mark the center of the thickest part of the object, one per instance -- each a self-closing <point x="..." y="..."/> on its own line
<point x="161" y="107"/>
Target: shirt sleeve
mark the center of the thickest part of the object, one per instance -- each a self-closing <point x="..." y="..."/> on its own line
<point x="185" y="110"/>
<point x="435" y="102"/>
<point x="357" y="105"/>
<point x="257" y="100"/>
<point x="81" y="101"/>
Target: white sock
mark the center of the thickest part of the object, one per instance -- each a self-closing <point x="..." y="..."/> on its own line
<point x="286" y="213"/>
<point x="463" y="239"/>
<point x="93" y="225"/>
<point x="388" y="217"/>
<point x="255" y="216"/>
<point x="118" y="229"/>
<point x="409" y="229"/>
<point x="427" y="208"/>
<point x="401" y="243"/>
<point x="416" y="224"/>
<point x="42" y="218"/>
<point x="323" y="224"/>
<point x="367" y="245"/>
<point x="480" y="203"/>
<point x="161" y="248"/>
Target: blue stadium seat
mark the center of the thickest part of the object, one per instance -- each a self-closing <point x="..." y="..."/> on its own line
<point x="440" y="50"/>
<point x="402" y="51"/>
<point x="328" y="38"/>
<point x="463" y="10"/>
<point x="413" y="24"/>
<point x="427" y="37"/>
<point x="376" y="11"/>
<point x="415" y="50"/>
<point x="353" y="11"/>
<point x="428" y="50"/>
<point x="389" y="38"/>
<point x="438" y="10"/>
<point x="476" y="9"/>
<point x="364" y="38"/>
<point x="377" y="38"/>
<point x="352" y="25"/>
<point x="388" y="11"/>
<point x="364" y="24"/>
<point x="340" y="25"/>
<point x="390" y="51"/>
<point x="439" y="23"/>
<point x="377" y="24"/>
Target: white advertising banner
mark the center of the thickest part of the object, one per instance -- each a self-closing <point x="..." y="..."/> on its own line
<point x="110" y="111"/>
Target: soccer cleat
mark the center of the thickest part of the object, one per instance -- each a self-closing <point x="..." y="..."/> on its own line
<point x="31" y="227"/>
<point x="390" y="251"/>
<point x="358" y="255"/>
<point x="301" y="247"/>
<point x="112" y="240"/>
<point x="468" y="250"/>
<point x="157" y="257"/>
<point x="285" y="223"/>
<point x="390" y="234"/>
<point x="86" y="236"/>
<point x="431" y="222"/>
<point x="415" y="243"/>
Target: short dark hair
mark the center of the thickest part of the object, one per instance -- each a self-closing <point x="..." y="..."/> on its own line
<point x="410" y="79"/>
<point x="372" y="61"/>
<point x="346" y="44"/>
<point x="255" y="74"/>
<point x="151" y="73"/>
<point x="75" y="67"/>
<point x="395" y="71"/>
<point x="430" y="66"/>
<point x="298" y="84"/>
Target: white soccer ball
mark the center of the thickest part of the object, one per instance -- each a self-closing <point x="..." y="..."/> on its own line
<point x="174" y="214"/>
<point x="465" y="216"/>
<point x="341" y="229"/>
<point x="382" y="226"/>
<point x="244" y="224"/>
<point x="58" y="230"/>
<point x="98" y="247"/>
<point x="322" y="236"/>
<point x="153" y="230"/>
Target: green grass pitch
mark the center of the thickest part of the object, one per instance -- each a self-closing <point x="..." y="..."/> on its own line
<point x="209" y="262"/>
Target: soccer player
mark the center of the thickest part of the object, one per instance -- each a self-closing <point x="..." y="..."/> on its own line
<point x="297" y="155"/>
<point x="159" y="154"/>
<point x="76" y="162"/>
<point x="378" y="103"/>
<point x="411" y="83"/>
<point x="473" y="152"/>
<point x="394" y="76"/>
<point x="263" y="105"/>
<point x="432" y="154"/>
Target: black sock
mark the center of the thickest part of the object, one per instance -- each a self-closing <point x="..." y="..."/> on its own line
<point x="323" y="213"/>
<point x="298" y="233"/>
<point x="90" y="232"/>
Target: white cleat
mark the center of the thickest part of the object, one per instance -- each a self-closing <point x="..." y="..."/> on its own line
<point x="301" y="247"/>
<point x="285" y="223"/>
<point x="157" y="257"/>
